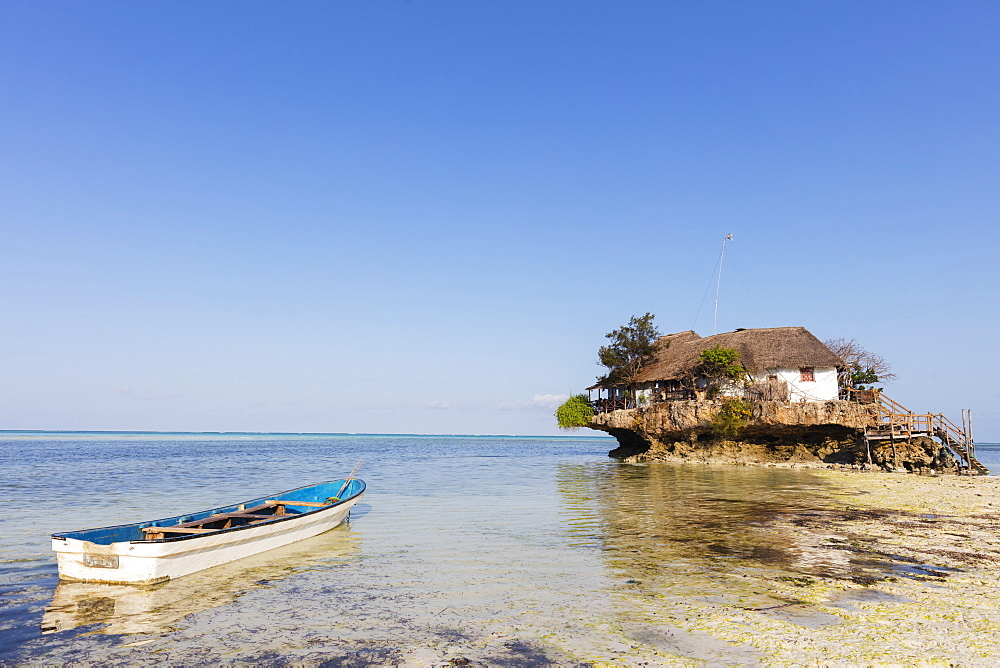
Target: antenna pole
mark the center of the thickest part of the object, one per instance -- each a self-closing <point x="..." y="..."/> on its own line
<point x="718" y="284"/>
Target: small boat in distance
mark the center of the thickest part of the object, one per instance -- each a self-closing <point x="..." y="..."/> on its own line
<point x="159" y="550"/>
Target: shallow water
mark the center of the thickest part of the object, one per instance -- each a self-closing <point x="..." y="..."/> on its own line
<point x="501" y="550"/>
<point x="989" y="455"/>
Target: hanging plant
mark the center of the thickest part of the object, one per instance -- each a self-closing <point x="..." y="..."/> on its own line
<point x="574" y="413"/>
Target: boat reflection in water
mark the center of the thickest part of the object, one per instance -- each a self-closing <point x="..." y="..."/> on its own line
<point x="152" y="609"/>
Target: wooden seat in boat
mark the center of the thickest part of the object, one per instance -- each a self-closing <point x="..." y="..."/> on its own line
<point x="197" y="526"/>
<point x="277" y="506"/>
<point x="310" y="504"/>
<point x="175" y="529"/>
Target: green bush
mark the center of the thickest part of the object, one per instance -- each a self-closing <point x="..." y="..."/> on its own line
<point x="574" y="413"/>
<point x="731" y="418"/>
<point x="719" y="362"/>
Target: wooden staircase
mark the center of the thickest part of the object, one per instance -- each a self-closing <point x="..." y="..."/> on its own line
<point x="896" y="422"/>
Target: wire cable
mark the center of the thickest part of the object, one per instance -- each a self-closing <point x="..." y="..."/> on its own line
<point x="707" y="288"/>
<point x="740" y="276"/>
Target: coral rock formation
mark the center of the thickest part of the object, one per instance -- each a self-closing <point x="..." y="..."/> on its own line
<point x="824" y="433"/>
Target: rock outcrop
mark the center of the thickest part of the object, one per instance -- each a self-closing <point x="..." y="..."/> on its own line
<point x="823" y="433"/>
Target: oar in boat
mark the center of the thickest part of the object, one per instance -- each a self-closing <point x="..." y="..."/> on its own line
<point x="350" y="477"/>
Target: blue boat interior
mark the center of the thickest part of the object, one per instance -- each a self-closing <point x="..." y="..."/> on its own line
<point x="255" y="511"/>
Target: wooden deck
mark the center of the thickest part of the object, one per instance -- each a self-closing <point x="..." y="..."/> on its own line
<point x="896" y="422"/>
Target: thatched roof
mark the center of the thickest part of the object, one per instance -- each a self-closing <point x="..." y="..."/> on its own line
<point x="760" y="349"/>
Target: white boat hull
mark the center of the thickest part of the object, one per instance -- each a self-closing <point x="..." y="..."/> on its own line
<point x="127" y="608"/>
<point x="149" y="562"/>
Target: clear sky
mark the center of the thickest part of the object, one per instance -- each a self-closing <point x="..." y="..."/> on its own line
<point x="422" y="217"/>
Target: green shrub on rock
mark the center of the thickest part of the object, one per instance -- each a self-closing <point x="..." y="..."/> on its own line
<point x="731" y="418"/>
<point x="574" y="413"/>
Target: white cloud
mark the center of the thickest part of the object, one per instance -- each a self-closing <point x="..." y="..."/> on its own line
<point x="441" y="405"/>
<point x="549" y="400"/>
<point x="536" y="403"/>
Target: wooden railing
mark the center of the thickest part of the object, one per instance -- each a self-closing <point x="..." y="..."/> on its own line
<point x="763" y="391"/>
<point x="944" y="424"/>
<point x="771" y="390"/>
<point x="896" y="421"/>
<point x="615" y="404"/>
<point x="656" y="396"/>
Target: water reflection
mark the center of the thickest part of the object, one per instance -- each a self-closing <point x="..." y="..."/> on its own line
<point x="680" y="517"/>
<point x="154" y="609"/>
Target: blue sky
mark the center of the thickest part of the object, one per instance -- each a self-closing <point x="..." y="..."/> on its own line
<point x="424" y="216"/>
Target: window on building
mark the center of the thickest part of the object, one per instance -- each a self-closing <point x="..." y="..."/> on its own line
<point x="807" y="375"/>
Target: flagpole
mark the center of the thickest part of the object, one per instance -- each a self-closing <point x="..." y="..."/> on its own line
<point x="718" y="284"/>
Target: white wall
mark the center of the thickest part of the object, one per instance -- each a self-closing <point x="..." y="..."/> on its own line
<point x="824" y="388"/>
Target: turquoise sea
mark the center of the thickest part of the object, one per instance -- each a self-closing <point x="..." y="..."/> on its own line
<point x="494" y="550"/>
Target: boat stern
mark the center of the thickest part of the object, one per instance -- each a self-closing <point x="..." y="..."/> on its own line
<point x="81" y="560"/>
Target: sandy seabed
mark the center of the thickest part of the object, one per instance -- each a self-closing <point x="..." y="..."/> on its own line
<point x="883" y="569"/>
<point x="937" y="603"/>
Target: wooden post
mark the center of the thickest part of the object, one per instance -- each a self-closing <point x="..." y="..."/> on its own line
<point x="972" y="442"/>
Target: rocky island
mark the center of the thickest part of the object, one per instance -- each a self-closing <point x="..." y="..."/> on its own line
<point x="776" y="396"/>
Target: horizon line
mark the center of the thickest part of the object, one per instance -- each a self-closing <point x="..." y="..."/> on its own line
<point x="271" y="433"/>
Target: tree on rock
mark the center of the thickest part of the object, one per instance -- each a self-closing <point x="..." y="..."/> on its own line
<point x="631" y="347"/>
<point x="721" y="363"/>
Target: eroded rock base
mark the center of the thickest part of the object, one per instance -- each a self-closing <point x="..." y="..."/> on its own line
<point x="820" y="434"/>
<point x="818" y="447"/>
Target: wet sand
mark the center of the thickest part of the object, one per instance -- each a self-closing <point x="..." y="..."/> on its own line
<point x="933" y="597"/>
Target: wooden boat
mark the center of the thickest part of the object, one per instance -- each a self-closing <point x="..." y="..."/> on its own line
<point x="157" y="551"/>
<point x="127" y="608"/>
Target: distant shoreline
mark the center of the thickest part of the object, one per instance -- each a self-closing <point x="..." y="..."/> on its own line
<point x="47" y="432"/>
